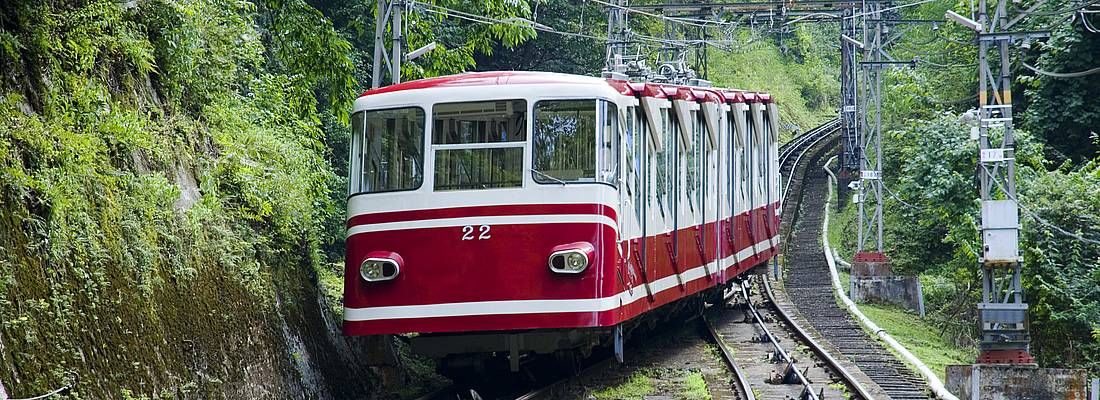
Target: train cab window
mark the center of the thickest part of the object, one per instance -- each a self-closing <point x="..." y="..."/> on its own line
<point x="479" y="145"/>
<point x="388" y="150"/>
<point x="575" y="141"/>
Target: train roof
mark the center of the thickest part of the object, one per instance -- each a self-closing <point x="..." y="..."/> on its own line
<point x="637" y="89"/>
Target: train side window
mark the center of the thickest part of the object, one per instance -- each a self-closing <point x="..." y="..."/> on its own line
<point x="691" y="164"/>
<point x="390" y="150"/>
<point x="608" y="140"/>
<point x="731" y="164"/>
<point x="766" y="155"/>
<point x="746" y="163"/>
<point x="661" y="174"/>
<point x="672" y="171"/>
<point x="636" y="133"/>
<point x="479" y="145"/>
<point x="762" y="158"/>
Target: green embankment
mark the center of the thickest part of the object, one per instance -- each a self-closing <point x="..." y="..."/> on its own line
<point x="917" y="334"/>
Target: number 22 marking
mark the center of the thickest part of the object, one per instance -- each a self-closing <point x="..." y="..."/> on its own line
<point x="468" y="232"/>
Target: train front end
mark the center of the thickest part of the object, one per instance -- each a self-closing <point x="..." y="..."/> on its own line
<point x="483" y="205"/>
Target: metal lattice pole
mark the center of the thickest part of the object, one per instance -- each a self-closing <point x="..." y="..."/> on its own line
<point x="870" y="166"/>
<point x="1003" y="312"/>
<point x="848" y="91"/>
<point x="388" y="12"/>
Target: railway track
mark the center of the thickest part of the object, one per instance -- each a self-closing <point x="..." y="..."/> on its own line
<point x="799" y="367"/>
<point x="808" y="287"/>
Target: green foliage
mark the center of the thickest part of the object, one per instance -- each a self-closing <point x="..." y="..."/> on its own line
<point x="127" y="110"/>
<point x="1064" y="111"/>
<point x="695" y="387"/>
<point x="1061" y="272"/>
<point x="805" y="90"/>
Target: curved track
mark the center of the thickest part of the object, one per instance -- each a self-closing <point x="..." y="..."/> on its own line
<point x="823" y="377"/>
<point x="808" y="286"/>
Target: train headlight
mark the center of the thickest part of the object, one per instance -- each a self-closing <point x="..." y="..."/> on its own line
<point x="380" y="266"/>
<point x="571" y="258"/>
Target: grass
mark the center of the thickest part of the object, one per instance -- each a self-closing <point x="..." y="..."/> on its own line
<point x="636" y="387"/>
<point x="924" y="341"/>
<point x="695" y="387"/>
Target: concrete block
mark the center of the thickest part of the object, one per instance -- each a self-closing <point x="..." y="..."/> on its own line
<point x="903" y="291"/>
<point x="1015" y="381"/>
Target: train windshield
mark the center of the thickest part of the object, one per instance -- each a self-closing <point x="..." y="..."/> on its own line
<point x="565" y="142"/>
<point x="479" y="145"/>
<point x="387" y="150"/>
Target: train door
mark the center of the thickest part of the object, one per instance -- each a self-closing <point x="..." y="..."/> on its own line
<point x="773" y="155"/>
<point x="637" y="168"/>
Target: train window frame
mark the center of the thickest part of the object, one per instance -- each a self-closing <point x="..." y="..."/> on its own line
<point x="601" y="111"/>
<point x="486" y="146"/>
<point x="356" y="163"/>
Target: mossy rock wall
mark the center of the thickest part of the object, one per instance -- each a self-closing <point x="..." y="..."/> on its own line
<point x="166" y="199"/>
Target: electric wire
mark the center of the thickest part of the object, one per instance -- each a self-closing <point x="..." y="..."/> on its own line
<point x="1027" y="211"/>
<point x="55" y="392"/>
<point x="1070" y="9"/>
<point x="448" y="12"/>
<point x="1061" y="74"/>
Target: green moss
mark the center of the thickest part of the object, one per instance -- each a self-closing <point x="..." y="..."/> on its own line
<point x="917" y="335"/>
<point x="695" y="387"/>
<point x="637" y="386"/>
<point x="330" y="279"/>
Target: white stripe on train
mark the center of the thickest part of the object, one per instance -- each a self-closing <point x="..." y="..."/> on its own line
<point x="539" y="306"/>
<point x="485" y="220"/>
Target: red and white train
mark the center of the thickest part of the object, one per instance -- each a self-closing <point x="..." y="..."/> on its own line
<point x="512" y="213"/>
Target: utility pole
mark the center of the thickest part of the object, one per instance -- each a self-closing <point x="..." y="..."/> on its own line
<point x="849" y="88"/>
<point x="617" y="24"/>
<point x="870" y="163"/>
<point x="1003" y="311"/>
<point x="388" y="12"/>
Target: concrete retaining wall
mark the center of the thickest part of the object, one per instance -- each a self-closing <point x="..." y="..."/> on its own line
<point x="1019" y="382"/>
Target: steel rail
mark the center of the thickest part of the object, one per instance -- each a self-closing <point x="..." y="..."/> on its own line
<point x="813" y="138"/>
<point x="799" y="145"/>
<point x="808" y="389"/>
<point x="727" y="356"/>
<point x="816" y="347"/>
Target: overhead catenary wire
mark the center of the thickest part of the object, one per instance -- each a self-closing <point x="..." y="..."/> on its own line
<point x="1061" y="74"/>
<point x="482" y="19"/>
<point x="1040" y="220"/>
